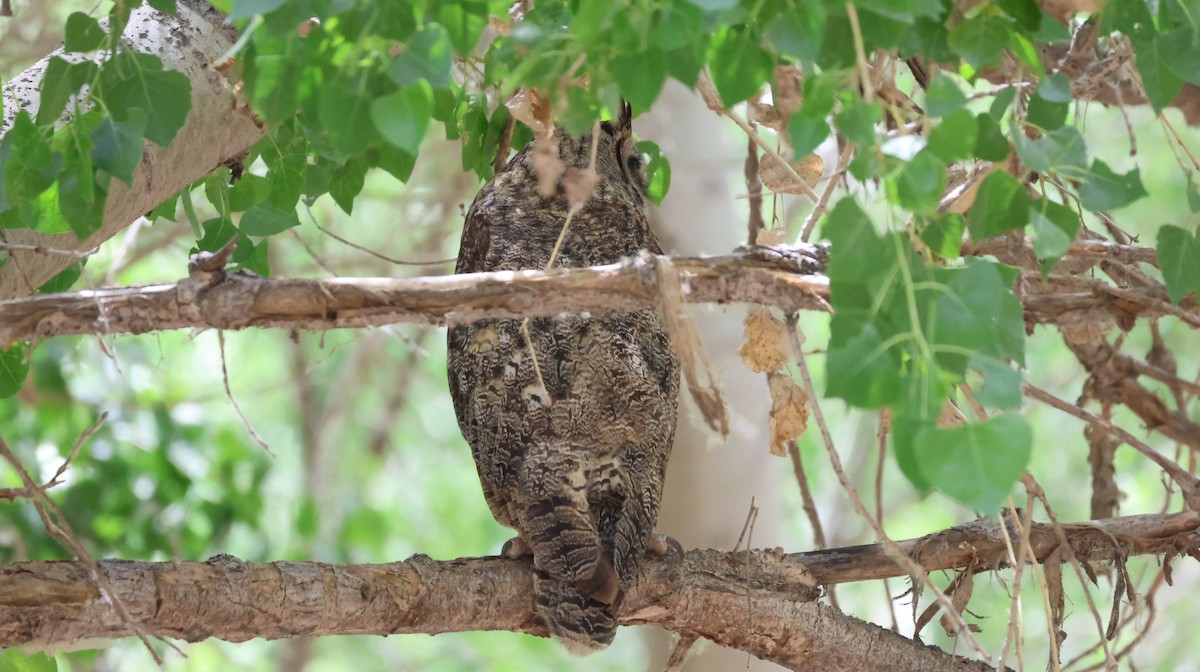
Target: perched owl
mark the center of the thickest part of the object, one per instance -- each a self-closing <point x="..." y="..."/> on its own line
<point x="572" y="452"/>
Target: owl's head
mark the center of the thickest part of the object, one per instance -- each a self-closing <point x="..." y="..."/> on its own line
<point x="617" y="157"/>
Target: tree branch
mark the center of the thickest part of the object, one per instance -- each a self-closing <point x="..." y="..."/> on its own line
<point x="708" y="593"/>
<point x="788" y="278"/>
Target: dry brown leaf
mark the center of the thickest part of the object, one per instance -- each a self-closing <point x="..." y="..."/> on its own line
<point x="307" y="26"/>
<point x="776" y="176"/>
<point x="765" y="342"/>
<point x="546" y="163"/>
<point x="697" y="371"/>
<point x="579" y="184"/>
<point x="532" y="109"/>
<point x="785" y="90"/>
<point x="965" y="585"/>
<point x="789" y="412"/>
<point x="770" y="237"/>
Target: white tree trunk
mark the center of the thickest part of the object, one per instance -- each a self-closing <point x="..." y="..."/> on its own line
<point x="191" y="43"/>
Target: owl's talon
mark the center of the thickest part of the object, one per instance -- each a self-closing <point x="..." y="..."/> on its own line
<point x="661" y="544"/>
<point x="515" y="549"/>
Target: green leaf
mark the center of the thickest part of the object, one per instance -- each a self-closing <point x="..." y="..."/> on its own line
<point x="428" y="56"/>
<point x="244" y="9"/>
<point x="979" y="313"/>
<point x="249" y="256"/>
<point x="117" y="147"/>
<point x="1193" y="193"/>
<point x="398" y="163"/>
<point x="1179" y="259"/>
<point x="135" y="81"/>
<point x="943" y="96"/>
<point x="1000" y="205"/>
<point x="1158" y="78"/>
<point x="641" y="76"/>
<point x="943" y="235"/>
<point x="15" y="660"/>
<point x="164" y="6"/>
<point x="346" y="117"/>
<point x="83" y="33"/>
<point x="980" y="40"/>
<point x="658" y="171"/>
<point x="217" y="233"/>
<point x="714" y="5"/>
<point x="990" y="143"/>
<point x="14" y="366"/>
<point x="738" y="63"/>
<point x="857" y="118"/>
<point x="29" y="166"/>
<point x="347" y="182"/>
<point x="918" y="184"/>
<point x="1049" y="105"/>
<point x="1055" y="226"/>
<point x="862" y="371"/>
<point x="1054" y="151"/>
<point x="63" y="281"/>
<point x="61" y="81"/>
<point x="265" y="219"/>
<point x="977" y="463"/>
<point x="247" y="192"/>
<point x="1180" y="47"/>
<point x="1026" y="52"/>
<point x="955" y="137"/>
<point x="1001" y="383"/>
<point x="798" y="31"/>
<point x="678" y="23"/>
<point x="1026" y="12"/>
<point x="1104" y="190"/>
<point x="403" y="117"/>
<point x="286" y="173"/>
<point x="806" y="133"/>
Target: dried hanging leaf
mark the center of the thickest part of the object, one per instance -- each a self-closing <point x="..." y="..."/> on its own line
<point x="532" y="109"/>
<point x="763" y="112"/>
<point x="775" y="175"/>
<point x="964" y="586"/>
<point x="686" y="341"/>
<point x="770" y="237"/>
<point x="579" y="184"/>
<point x="765" y="342"/>
<point x="546" y="163"/>
<point x="785" y="90"/>
<point x="1080" y="327"/>
<point x="789" y="412"/>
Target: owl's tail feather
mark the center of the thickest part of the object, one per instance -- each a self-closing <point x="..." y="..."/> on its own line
<point x="581" y="623"/>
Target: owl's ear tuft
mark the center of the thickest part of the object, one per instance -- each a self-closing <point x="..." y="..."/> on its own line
<point x="625" y="120"/>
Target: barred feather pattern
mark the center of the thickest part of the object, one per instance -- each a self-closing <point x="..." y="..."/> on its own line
<point x="573" y="459"/>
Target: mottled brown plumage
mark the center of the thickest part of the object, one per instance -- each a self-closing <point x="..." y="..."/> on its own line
<point x="575" y="467"/>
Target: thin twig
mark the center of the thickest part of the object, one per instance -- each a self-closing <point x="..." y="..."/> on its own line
<point x="822" y="203"/>
<point x="373" y="253"/>
<point x="1032" y="486"/>
<point x="1186" y="482"/>
<point x="233" y="402"/>
<point x="60" y="528"/>
<point x="893" y="549"/>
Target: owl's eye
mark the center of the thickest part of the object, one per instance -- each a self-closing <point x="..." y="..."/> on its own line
<point x="633" y="163"/>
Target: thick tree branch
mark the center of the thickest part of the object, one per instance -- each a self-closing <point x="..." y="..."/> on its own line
<point x="214" y="134"/>
<point x="707" y="593"/>
<point x="786" y="278"/>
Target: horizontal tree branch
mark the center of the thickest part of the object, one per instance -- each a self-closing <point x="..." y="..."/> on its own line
<point x="761" y="602"/>
<point x="787" y="278"/>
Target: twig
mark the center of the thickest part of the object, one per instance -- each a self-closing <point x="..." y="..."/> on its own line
<point x="1033" y="487"/>
<point x="59" y="528"/>
<point x="822" y="203"/>
<point x="1186" y="482"/>
<point x="960" y="627"/>
<point x="373" y="253"/>
<point x="233" y="402"/>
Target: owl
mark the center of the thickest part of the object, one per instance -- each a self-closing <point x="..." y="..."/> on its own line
<point x="570" y="418"/>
